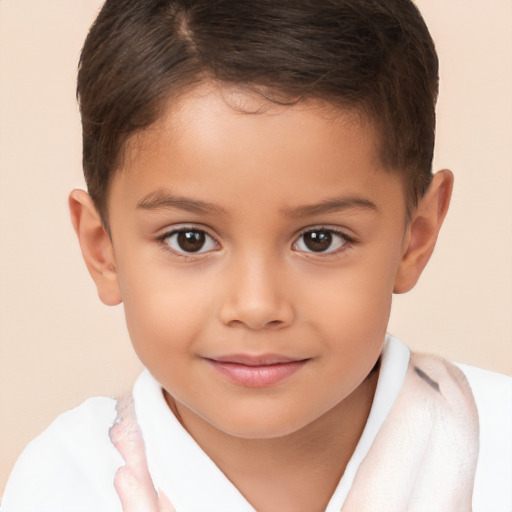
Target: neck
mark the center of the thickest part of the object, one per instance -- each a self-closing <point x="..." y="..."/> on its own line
<point x="297" y="472"/>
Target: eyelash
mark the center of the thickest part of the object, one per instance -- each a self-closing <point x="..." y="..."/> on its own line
<point x="346" y="241"/>
<point x="164" y="240"/>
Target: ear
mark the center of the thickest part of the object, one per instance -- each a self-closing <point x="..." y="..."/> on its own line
<point x="422" y="231"/>
<point x="96" y="246"/>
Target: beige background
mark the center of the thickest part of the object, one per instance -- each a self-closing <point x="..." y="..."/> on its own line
<point x="59" y="344"/>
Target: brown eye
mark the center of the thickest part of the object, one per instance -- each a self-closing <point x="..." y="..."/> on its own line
<point x="320" y="241"/>
<point x="190" y="241"/>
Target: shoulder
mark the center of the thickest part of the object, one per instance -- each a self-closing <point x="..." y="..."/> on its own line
<point x="484" y="383"/>
<point x="493" y="397"/>
<point x="492" y="394"/>
<point x="70" y="466"/>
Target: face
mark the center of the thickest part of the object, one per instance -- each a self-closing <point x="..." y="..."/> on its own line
<point x="256" y="248"/>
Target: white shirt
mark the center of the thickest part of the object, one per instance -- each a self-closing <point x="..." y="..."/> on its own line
<point x="71" y="465"/>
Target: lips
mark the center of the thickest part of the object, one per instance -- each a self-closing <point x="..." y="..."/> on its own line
<point x="256" y="371"/>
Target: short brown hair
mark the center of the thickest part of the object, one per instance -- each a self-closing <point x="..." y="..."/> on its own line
<point x="374" y="55"/>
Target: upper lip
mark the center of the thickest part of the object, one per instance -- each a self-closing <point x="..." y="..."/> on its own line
<point x="255" y="360"/>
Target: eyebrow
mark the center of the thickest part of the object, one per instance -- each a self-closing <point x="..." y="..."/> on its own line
<point x="331" y="205"/>
<point x="161" y="199"/>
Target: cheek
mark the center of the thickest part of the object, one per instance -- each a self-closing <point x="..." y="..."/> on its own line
<point x="357" y="298"/>
<point x="351" y="313"/>
<point x="163" y="311"/>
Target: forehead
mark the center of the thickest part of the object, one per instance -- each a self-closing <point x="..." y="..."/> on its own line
<point x="219" y="135"/>
<point x="203" y="108"/>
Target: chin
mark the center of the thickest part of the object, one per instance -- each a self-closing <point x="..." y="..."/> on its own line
<point x="261" y="427"/>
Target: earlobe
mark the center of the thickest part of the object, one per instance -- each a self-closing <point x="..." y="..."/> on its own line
<point x="423" y="229"/>
<point x="96" y="246"/>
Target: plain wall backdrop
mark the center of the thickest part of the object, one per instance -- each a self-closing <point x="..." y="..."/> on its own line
<point x="59" y="344"/>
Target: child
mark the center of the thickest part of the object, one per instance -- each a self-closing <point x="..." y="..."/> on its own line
<point x="259" y="180"/>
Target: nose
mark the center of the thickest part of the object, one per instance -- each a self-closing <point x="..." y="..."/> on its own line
<point x="256" y="297"/>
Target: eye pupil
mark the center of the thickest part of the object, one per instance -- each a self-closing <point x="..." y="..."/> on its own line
<point x="191" y="241"/>
<point x="318" y="241"/>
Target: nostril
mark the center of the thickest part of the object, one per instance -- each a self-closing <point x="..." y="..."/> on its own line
<point x="254" y="325"/>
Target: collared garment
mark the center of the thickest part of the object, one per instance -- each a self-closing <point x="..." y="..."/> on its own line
<point x="71" y="465"/>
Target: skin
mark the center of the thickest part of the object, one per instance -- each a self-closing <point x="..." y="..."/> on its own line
<point x="255" y="177"/>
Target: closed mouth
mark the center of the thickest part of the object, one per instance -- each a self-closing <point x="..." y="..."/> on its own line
<point x="256" y="371"/>
<point x="256" y="360"/>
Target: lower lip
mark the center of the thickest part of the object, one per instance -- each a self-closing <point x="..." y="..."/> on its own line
<point x="257" y="376"/>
